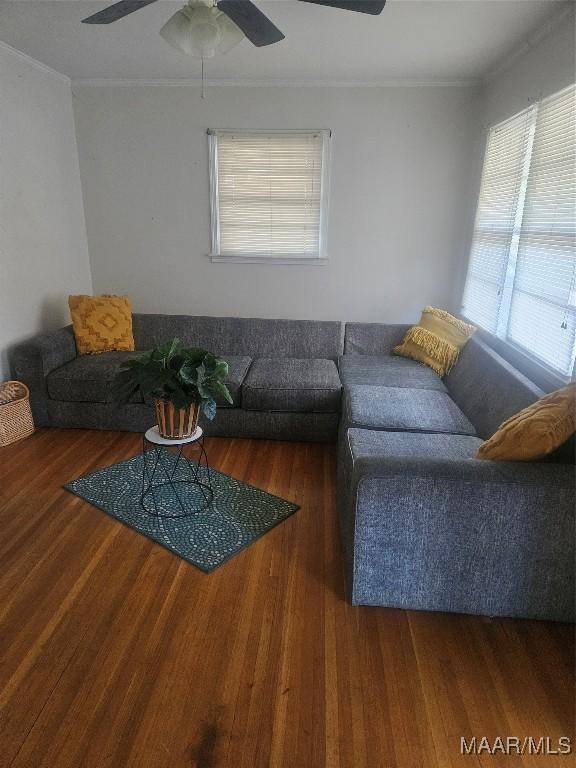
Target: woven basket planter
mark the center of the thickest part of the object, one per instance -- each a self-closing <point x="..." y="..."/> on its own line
<point x="16" y="420"/>
<point x="174" y="423"/>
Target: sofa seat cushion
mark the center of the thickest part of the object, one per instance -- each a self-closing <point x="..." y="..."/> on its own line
<point x="292" y="385"/>
<point x="388" y="371"/>
<point x="404" y="409"/>
<point x="375" y="446"/>
<point x="88" y="378"/>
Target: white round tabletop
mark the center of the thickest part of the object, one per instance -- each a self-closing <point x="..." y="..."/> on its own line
<point x="154" y="436"/>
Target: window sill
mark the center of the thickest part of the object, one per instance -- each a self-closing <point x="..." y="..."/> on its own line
<point x="247" y="259"/>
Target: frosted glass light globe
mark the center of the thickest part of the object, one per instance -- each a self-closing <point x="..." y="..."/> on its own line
<point x="204" y="31"/>
<point x="201" y="31"/>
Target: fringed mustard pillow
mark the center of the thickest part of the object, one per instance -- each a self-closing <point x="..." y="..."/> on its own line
<point x="102" y="323"/>
<point x="436" y="340"/>
<point x="535" y="431"/>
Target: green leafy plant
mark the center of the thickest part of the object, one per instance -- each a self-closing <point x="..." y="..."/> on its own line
<point x="182" y="376"/>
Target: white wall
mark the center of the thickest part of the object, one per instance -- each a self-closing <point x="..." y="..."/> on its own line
<point x="546" y="66"/>
<point x="399" y="210"/>
<point x="43" y="248"/>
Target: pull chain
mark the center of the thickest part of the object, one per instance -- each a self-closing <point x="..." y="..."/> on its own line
<point x="203" y="94"/>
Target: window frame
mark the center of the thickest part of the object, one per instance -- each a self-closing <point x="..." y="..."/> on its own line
<point x="538" y="370"/>
<point x="215" y="254"/>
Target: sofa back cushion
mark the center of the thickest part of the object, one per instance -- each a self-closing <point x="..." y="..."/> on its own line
<point x="487" y="388"/>
<point x="372" y="338"/>
<point x="255" y="337"/>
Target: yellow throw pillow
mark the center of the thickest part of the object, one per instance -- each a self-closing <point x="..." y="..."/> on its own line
<point x="436" y="340"/>
<point x="535" y="431"/>
<point x="101" y="323"/>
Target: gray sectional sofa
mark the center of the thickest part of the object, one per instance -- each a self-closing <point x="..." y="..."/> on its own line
<point x="424" y="524"/>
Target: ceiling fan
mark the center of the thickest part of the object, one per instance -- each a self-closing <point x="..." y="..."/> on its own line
<point x="255" y="25"/>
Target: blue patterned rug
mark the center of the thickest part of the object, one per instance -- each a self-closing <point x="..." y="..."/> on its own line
<point x="238" y="515"/>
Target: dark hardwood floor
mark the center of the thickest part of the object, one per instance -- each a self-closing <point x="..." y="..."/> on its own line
<point x="116" y="653"/>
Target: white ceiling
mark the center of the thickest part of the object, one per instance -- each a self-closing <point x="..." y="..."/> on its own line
<point x="413" y="40"/>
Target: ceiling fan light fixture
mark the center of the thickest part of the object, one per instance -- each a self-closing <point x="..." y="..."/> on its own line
<point x="201" y="31"/>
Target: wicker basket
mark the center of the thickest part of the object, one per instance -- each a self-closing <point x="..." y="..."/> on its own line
<point x="175" y="424"/>
<point x="16" y="420"/>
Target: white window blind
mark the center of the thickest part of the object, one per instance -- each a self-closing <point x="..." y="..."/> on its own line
<point x="543" y="305"/>
<point x="496" y="219"/>
<point x="269" y="192"/>
<point x="522" y="270"/>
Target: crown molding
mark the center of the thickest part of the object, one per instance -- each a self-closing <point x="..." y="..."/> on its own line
<point x="531" y="41"/>
<point x="34" y="63"/>
<point x="175" y="82"/>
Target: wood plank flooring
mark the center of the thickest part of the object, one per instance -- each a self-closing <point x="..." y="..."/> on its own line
<point x="115" y="653"/>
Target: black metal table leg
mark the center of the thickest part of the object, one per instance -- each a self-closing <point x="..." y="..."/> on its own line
<point x="159" y="478"/>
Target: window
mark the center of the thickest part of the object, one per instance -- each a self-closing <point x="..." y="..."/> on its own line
<point x="521" y="283"/>
<point x="269" y="195"/>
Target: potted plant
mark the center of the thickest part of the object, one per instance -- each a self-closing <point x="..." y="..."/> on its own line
<point x="182" y="382"/>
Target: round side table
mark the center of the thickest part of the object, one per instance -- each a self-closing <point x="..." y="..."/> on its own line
<point x="173" y="484"/>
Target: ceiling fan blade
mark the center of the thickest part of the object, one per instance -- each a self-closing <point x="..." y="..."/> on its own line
<point x="256" y="26"/>
<point x="116" y="11"/>
<point x="373" y="7"/>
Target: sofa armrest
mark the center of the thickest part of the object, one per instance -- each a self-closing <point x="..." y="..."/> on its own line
<point x="35" y="359"/>
<point x="471" y="536"/>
